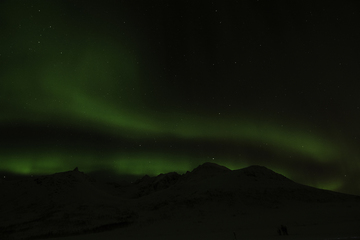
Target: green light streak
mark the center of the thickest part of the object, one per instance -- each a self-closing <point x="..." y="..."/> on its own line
<point x="33" y="165"/>
<point x="269" y="134"/>
<point x="98" y="84"/>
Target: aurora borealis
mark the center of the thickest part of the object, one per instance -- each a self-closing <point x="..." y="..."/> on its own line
<point x="149" y="87"/>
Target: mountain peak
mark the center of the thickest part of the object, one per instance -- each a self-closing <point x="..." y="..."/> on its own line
<point x="212" y="167"/>
<point x="68" y="178"/>
<point x="205" y="171"/>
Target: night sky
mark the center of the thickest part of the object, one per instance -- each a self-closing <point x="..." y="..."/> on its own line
<point x="150" y="87"/>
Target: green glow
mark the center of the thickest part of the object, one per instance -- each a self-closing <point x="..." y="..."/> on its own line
<point x="267" y="133"/>
<point x="27" y="166"/>
<point x="333" y="185"/>
<point x="100" y="86"/>
<point x="132" y="164"/>
<point x="56" y="74"/>
<point x="41" y="163"/>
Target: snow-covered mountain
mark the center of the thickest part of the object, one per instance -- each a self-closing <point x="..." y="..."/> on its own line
<point x="59" y="204"/>
<point x="71" y="202"/>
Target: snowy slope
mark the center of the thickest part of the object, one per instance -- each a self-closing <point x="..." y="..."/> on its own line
<point x="210" y="200"/>
<point x="61" y="203"/>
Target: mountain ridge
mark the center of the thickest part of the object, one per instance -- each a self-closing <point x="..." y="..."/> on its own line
<point x="71" y="202"/>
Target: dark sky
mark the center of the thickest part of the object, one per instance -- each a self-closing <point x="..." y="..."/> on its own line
<point x="149" y="87"/>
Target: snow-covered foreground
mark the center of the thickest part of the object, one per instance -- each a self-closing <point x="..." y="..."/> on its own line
<point x="325" y="232"/>
<point x="211" y="202"/>
<point x="255" y="224"/>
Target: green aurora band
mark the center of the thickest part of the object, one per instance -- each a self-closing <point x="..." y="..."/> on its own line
<point x="100" y="86"/>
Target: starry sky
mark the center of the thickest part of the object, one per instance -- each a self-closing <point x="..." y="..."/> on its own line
<point x="128" y="88"/>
